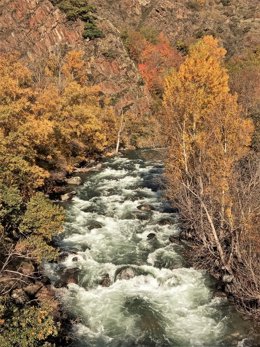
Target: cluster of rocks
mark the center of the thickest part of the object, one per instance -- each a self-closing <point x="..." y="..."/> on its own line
<point x="60" y="187"/>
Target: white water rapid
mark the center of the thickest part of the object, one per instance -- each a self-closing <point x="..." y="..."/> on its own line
<point x="133" y="287"/>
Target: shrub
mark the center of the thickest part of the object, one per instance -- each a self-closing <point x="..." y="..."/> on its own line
<point x="28" y="327"/>
<point x="91" y="31"/>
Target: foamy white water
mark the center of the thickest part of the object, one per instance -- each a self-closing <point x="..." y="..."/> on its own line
<point x="150" y="298"/>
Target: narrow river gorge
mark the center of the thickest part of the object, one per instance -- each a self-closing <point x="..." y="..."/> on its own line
<point x="134" y="287"/>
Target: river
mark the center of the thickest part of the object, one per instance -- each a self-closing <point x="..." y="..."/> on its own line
<point x="134" y="287"/>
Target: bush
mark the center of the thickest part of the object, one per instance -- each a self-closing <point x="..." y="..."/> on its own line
<point x="28" y="327"/>
<point x="91" y="31"/>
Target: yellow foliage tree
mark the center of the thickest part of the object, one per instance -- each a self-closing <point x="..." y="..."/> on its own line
<point x="206" y="136"/>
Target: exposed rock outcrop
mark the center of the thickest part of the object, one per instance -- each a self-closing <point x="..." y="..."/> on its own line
<point x="34" y="28"/>
<point x="236" y="22"/>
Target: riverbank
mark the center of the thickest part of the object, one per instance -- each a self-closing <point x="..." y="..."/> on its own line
<point x="119" y="241"/>
<point x="23" y="285"/>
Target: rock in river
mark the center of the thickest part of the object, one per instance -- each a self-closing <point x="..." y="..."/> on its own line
<point x="105" y="281"/>
<point x="68" y="196"/>
<point x="151" y="236"/>
<point x="145" y="207"/>
<point x="76" y="180"/>
<point x="125" y="273"/>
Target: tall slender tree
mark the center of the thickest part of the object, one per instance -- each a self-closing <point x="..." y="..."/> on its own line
<point x="207" y="136"/>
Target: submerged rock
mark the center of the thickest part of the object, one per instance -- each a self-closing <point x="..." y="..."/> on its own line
<point x="105" y="281"/>
<point x="165" y="221"/>
<point x="94" y="225"/>
<point x="125" y="273"/>
<point x="151" y="236"/>
<point x="142" y="215"/>
<point x="145" y="207"/>
<point x="169" y="209"/>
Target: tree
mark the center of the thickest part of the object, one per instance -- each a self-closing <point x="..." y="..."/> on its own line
<point x="80" y="9"/>
<point x="156" y="61"/>
<point x="207" y="136"/>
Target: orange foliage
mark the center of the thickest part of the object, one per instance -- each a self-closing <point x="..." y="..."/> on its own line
<point x="207" y="137"/>
<point x="55" y="122"/>
<point x="156" y="61"/>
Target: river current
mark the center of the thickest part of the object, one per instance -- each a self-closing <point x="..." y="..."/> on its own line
<point x="134" y="287"/>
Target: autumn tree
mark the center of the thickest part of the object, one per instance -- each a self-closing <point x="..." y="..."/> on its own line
<point x="207" y="136"/>
<point x="156" y="61"/>
<point x="18" y="127"/>
<point x="50" y="119"/>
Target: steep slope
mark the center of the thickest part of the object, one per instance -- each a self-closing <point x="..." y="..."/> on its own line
<point x="236" y="22"/>
<point x="34" y="28"/>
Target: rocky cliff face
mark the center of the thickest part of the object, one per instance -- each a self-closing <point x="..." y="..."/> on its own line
<point x="110" y="66"/>
<point x="35" y="27"/>
<point x="236" y="22"/>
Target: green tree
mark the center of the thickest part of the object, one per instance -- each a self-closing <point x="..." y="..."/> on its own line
<point x="80" y="9"/>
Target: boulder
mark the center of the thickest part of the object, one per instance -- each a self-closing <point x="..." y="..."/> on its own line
<point x="97" y="167"/>
<point x="67" y="276"/>
<point x="151" y="236"/>
<point x="220" y="294"/>
<point x="76" y="180"/>
<point x="71" y="275"/>
<point x="68" y="196"/>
